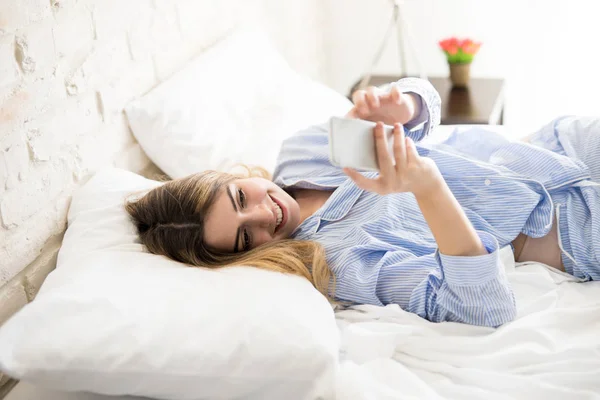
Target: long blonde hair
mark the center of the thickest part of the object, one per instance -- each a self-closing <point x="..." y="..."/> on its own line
<point x="170" y="222"/>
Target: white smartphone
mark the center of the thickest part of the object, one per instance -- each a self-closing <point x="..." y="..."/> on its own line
<point x="351" y="143"/>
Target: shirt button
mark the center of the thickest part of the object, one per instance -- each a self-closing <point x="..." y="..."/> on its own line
<point x="487" y="182"/>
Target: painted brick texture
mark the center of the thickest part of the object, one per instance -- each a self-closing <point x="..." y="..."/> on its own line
<point x="68" y="67"/>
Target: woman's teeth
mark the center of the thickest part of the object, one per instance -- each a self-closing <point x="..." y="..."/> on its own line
<point x="279" y="214"/>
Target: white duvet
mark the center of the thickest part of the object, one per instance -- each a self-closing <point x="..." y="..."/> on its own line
<point x="552" y="350"/>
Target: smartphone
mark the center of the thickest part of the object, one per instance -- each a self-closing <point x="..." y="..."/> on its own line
<point x="351" y="143"/>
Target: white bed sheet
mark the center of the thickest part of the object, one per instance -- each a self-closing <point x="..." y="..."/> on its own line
<point x="552" y="350"/>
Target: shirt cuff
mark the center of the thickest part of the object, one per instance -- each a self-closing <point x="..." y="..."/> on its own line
<point x="420" y="119"/>
<point x="431" y="102"/>
<point x="472" y="270"/>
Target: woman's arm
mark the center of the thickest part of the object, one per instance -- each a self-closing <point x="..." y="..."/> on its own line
<point x="409" y="172"/>
<point x="306" y="153"/>
<point x="464" y="280"/>
<point x="451" y="228"/>
<point x="471" y="290"/>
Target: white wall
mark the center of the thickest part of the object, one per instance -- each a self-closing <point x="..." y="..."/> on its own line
<point x="67" y="68"/>
<point x="546" y="49"/>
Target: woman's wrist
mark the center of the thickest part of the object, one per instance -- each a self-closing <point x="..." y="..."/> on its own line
<point x="429" y="183"/>
<point x="415" y="105"/>
<point x="431" y="190"/>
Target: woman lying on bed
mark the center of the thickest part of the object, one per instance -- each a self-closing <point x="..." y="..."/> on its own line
<point x="424" y="233"/>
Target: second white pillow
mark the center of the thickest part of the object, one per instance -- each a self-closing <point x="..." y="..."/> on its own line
<point x="235" y="103"/>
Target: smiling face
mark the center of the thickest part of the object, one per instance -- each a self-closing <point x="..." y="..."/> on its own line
<point x="248" y="213"/>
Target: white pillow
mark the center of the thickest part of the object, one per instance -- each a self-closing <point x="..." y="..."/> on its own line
<point x="114" y="319"/>
<point x="235" y="103"/>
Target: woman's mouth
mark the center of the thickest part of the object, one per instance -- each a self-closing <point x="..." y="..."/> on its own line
<point x="281" y="213"/>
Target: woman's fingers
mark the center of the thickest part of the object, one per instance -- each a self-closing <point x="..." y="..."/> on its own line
<point x="411" y="150"/>
<point x="357" y="95"/>
<point x="381" y="145"/>
<point x="353" y="113"/>
<point x="396" y="95"/>
<point x="359" y="98"/>
<point x="372" y="97"/>
<point x="399" y="147"/>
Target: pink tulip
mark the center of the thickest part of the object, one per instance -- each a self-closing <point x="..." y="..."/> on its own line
<point x="448" y="43"/>
<point x="472" y="48"/>
<point x="453" y="45"/>
<point x="464" y="43"/>
<point x="452" y="50"/>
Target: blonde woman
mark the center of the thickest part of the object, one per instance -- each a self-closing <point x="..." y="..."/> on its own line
<point x="424" y="232"/>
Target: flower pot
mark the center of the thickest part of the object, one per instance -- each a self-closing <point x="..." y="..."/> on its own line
<point x="460" y="74"/>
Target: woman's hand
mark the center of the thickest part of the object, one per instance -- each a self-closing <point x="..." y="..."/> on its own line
<point x="406" y="172"/>
<point x="373" y="104"/>
<point x="452" y="230"/>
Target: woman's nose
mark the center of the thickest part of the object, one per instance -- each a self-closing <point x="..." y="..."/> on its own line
<point x="261" y="215"/>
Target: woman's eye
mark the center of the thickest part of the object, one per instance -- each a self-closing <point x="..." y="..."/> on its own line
<point x="246" y="241"/>
<point x="242" y="198"/>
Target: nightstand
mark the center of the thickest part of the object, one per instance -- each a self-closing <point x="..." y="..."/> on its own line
<point x="482" y="102"/>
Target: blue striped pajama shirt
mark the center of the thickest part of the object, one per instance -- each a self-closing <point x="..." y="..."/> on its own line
<point x="382" y="251"/>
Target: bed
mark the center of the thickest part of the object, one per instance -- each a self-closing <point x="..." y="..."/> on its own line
<point x="551" y="351"/>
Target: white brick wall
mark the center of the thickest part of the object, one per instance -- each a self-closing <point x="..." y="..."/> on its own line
<point x="67" y="68"/>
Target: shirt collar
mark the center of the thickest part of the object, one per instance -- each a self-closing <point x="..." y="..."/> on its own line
<point x="340" y="202"/>
<point x="335" y="208"/>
